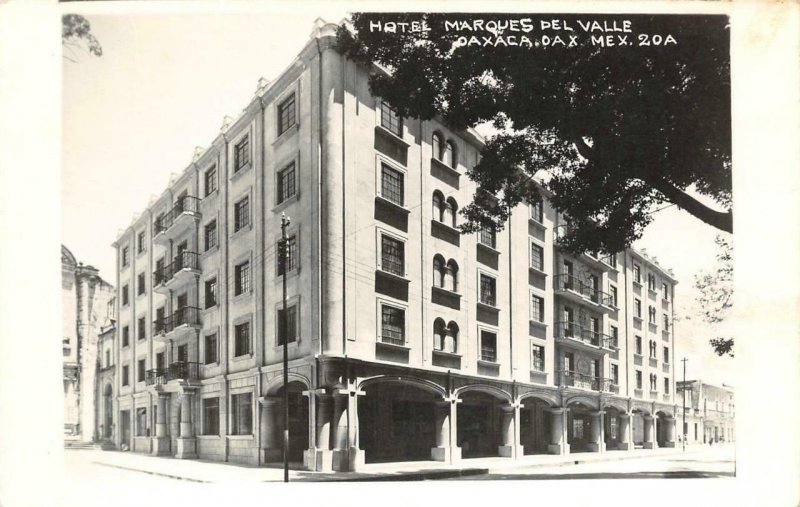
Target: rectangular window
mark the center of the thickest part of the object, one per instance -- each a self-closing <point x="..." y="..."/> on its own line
<point x="615" y="374"/>
<point x="211" y="292"/>
<point x="612" y="289"/>
<point x="211" y="416"/>
<point x="140" y="242"/>
<point x="140" y="328"/>
<point x="537" y="358"/>
<point x="392" y="184"/>
<point x="210" y="349"/>
<point x="393" y="325"/>
<point x="614" y="335"/>
<point x="140" y="284"/>
<point x="651" y="314"/>
<point x="637" y="273"/>
<point x="242" y="278"/>
<point x="390" y="121"/>
<point x="612" y="426"/>
<point x="392" y="256"/>
<point x="638" y="379"/>
<point x="125" y="336"/>
<point x="488" y="236"/>
<point x="637" y="308"/>
<point x="651" y="281"/>
<point x="242" y="339"/>
<point x="666" y="354"/>
<point x="537" y="211"/>
<point x="126" y="257"/>
<point x="537" y="308"/>
<point x="488" y="346"/>
<point x="160" y="275"/>
<point x="666" y="322"/>
<point x="141" y="422"/>
<point x="653" y="347"/>
<point x="537" y="257"/>
<point x="666" y="385"/>
<point x="241" y="155"/>
<point x="665" y="288"/>
<point x="211" y="180"/>
<point x="487" y="287"/>
<point x="125" y="297"/>
<point x="211" y="235"/>
<point x="241" y="214"/>
<point x="241" y="414"/>
<point x="653" y="382"/>
<point x="612" y="260"/>
<point x="286" y="115"/>
<point x="286" y="183"/>
<point x="639" y="345"/>
<point x="291" y="255"/>
<point x="160" y="361"/>
<point x="140" y="369"/>
<point x="108" y="358"/>
<point x="125" y="375"/>
<point x="290" y="329"/>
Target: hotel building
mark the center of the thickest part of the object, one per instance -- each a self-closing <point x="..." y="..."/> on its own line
<point x="407" y="340"/>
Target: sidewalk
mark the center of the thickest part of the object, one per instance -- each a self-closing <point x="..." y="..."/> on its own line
<point x="216" y="472"/>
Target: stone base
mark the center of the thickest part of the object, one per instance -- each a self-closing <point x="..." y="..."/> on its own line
<point x="186" y="448"/>
<point x="624" y="446"/>
<point x="318" y="460"/>
<point x="594" y="447"/>
<point x="558" y="449"/>
<point x="345" y="460"/>
<point x="446" y="454"/>
<point x="510" y="451"/>
<point x="160" y="446"/>
<point x="648" y="445"/>
<point x="273" y="455"/>
<point x="668" y="444"/>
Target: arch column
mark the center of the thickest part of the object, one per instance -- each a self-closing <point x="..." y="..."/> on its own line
<point x="558" y="440"/>
<point x="649" y="428"/>
<point x="446" y="450"/>
<point x="161" y="440"/>
<point x="347" y="457"/>
<point x="186" y="443"/>
<point x="625" y="432"/>
<point x="271" y="425"/>
<point x="597" y="444"/>
<point x="669" y="430"/>
<point x="319" y="456"/>
<point x="511" y="447"/>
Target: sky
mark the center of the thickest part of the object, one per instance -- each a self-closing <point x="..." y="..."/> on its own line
<point x="163" y="86"/>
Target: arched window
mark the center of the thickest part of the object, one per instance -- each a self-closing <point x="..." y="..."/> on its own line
<point x="451" y="343"/>
<point x="450" y="154"/>
<point x="451" y="214"/>
<point x="438" y="206"/>
<point x="439" y="334"/>
<point x="438" y="271"/>
<point x="436" y="144"/>
<point x="452" y="275"/>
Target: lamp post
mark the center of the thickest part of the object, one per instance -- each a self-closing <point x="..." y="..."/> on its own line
<point x="284" y="253"/>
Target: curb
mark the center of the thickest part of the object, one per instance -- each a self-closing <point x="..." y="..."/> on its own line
<point x="158" y="474"/>
<point x="417" y="476"/>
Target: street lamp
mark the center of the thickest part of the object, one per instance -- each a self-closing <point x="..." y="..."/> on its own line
<point x="284" y="251"/>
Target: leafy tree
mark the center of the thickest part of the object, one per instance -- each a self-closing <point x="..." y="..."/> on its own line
<point x="715" y="294"/>
<point x="76" y="33"/>
<point x="614" y="131"/>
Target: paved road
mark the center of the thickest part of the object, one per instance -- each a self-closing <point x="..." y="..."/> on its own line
<point x="712" y="462"/>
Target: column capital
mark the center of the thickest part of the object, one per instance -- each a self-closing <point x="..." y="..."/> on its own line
<point x="509" y="407"/>
<point x="625" y="415"/>
<point x="348" y="392"/>
<point x="647" y="417"/>
<point x="269" y="401"/>
<point x="452" y="399"/>
<point x="597" y="412"/>
<point x="556" y="410"/>
<point x="188" y="390"/>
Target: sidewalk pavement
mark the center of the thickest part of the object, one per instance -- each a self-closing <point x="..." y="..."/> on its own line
<point x="206" y="471"/>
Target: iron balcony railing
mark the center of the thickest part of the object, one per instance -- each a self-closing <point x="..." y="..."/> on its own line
<point x="568" y="378"/>
<point x="562" y="230"/>
<point x="566" y="329"/>
<point x="575" y="284"/>
<point x="185" y="204"/>
<point x="179" y="370"/>
<point x="155" y="377"/>
<point x="184" y="260"/>
<point x="186" y="316"/>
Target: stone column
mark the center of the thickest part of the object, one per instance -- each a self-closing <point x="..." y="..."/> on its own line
<point x="320" y="458"/>
<point x="510" y="428"/>
<point x="441" y="425"/>
<point x="161" y="439"/>
<point x="596" y="443"/>
<point x="624" y="432"/>
<point x="558" y="444"/>
<point x="271" y="426"/>
<point x="186" y="443"/>
<point x="356" y="455"/>
<point x="347" y="457"/>
<point x="648" y="432"/>
<point x="670" y="432"/>
<point x="455" y="450"/>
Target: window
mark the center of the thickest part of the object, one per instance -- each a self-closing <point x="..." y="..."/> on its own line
<point x="638" y="379"/>
<point x="125" y="375"/>
<point x="537" y="358"/>
<point x="612" y="260"/>
<point x="651" y="314"/>
<point x="160" y="361"/>
<point x="614" y="336"/>
<point x="286" y="115"/>
<point x="487" y="236"/>
<point x="436" y="145"/>
<point x="537" y="308"/>
<point x="125" y="336"/>
<point x="286" y="183"/>
<point x="392" y="256"/>
<point x="537" y="211"/>
<point x="108" y="358"/>
<point x="287" y="328"/>
<point x="210" y="349"/>
<point x="211" y="180"/>
<point x="211" y="235"/>
<point x="653" y="382"/>
<point x="241" y="214"/>
<point x="141" y="422"/>
<point x="615" y="374"/>
<point x="140" y="284"/>
<point x="140" y="242"/>
<point x="140" y="369"/>
<point x="211" y="292"/>
<point x="637" y="308"/>
<point x="652" y="345"/>
<point x="291" y="255"/>
<point x="390" y="121"/>
<point x="637" y="273"/>
<point x="651" y="282"/>
<point x="140" y="328"/>
<point x="666" y="354"/>
<point x="450" y="154"/>
<point x="211" y="416"/>
<point x="126" y="257"/>
<point x="393" y="325"/>
<point x="537" y="257"/>
<point x="438" y="271"/>
<point x="241" y="154"/>
<point x="241" y="414"/>
<point x="665" y="289"/>
<point x="612" y="426"/>
<point x="242" y="339"/>
<point x="450" y="340"/>
<point x="666" y="385"/>
<point x="242" y="278"/>
<point x="125" y="295"/>
<point x="391" y="184"/>
<point x="612" y="289"/>
<point x="639" y="345"/>
<point x="666" y="322"/>
<point x="452" y="274"/>
<point x="488" y="346"/>
<point x="487" y="287"/>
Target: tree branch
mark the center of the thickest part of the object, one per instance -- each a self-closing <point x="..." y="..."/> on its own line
<point x="720" y="219"/>
<point x="584" y="149"/>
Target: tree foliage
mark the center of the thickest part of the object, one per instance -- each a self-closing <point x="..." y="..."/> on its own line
<point x="715" y="294"/>
<point x="614" y="130"/>
<point x="76" y="33"/>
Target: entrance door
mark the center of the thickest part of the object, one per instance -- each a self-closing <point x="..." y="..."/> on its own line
<point x="125" y="426"/>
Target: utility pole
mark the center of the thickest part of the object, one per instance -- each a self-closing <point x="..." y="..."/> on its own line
<point x="683" y="428"/>
<point x="284" y="251"/>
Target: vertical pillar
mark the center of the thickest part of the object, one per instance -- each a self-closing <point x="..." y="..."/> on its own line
<point x="558" y="444"/>
<point x="319" y="458"/>
<point x="510" y="427"/>
<point x="625" y="432"/>
<point x="161" y="439"/>
<point x="186" y="443"/>
<point x="270" y="430"/>
<point x="648" y="431"/>
<point x="347" y="457"/>
<point x="596" y="443"/>
<point x="455" y="450"/>
<point x="442" y="427"/>
<point x="669" y="432"/>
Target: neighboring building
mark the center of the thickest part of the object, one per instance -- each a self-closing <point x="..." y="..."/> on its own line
<point x="105" y="424"/>
<point x="710" y="411"/>
<point x="407" y="340"/>
<point x="84" y="297"/>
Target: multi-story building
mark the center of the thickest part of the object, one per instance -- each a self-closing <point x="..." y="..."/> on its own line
<point x="406" y="339"/>
<point x="710" y="411"/>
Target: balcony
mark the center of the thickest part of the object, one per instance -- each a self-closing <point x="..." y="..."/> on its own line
<point x="185" y="267"/>
<point x="173" y="326"/>
<point x="179" y="370"/>
<point x="591" y="259"/>
<point x="176" y="221"/>
<point x="577" y="380"/>
<point x="575" y="289"/>
<point x="585" y="337"/>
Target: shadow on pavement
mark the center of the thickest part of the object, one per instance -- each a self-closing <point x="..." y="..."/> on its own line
<point x="678" y="474"/>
